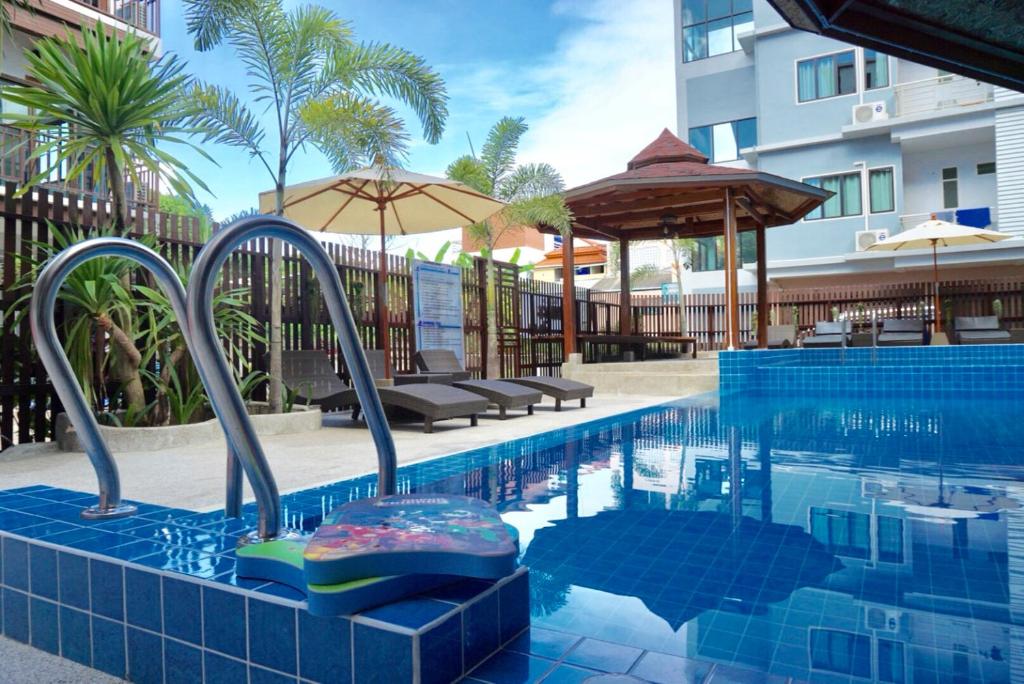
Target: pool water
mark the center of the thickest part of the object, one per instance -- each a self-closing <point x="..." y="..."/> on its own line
<point x="825" y="539"/>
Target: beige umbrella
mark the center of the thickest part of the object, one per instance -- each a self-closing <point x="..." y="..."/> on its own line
<point x="394" y="201"/>
<point x="937" y="234"/>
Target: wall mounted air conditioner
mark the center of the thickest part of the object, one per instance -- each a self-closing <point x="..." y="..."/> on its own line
<point x="883" y="619"/>
<point x="868" y="112"/>
<point x="866" y="238"/>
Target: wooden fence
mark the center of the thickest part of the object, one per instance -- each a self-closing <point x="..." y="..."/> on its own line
<point x="528" y="312"/>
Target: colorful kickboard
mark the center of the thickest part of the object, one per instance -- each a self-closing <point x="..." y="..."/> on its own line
<point x="406" y="534"/>
<point x="281" y="561"/>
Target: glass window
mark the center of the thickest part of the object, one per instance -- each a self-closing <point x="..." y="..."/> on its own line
<point x="890" y="540"/>
<point x="880" y="190"/>
<point x="826" y="76"/>
<point x="710" y="27"/>
<point x="700" y="138"/>
<point x="890" y="661"/>
<point x="711" y="252"/>
<point x="847" y="198"/>
<point x="950" y="191"/>
<point x="876" y="70"/>
<point x="746" y="132"/>
<point x="844" y="533"/>
<point x="723" y="141"/>
<point x="986" y="168"/>
<point x="841" y="652"/>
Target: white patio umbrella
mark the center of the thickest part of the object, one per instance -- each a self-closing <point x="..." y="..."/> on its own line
<point x="392" y="201"/>
<point x="937" y="234"/>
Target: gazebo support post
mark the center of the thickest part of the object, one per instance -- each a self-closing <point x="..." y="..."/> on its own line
<point x="383" y="317"/>
<point x="625" y="296"/>
<point x="732" y="303"/>
<point x="568" y="298"/>
<point x="762" y="289"/>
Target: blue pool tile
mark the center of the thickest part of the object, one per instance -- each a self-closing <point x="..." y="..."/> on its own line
<point x="74" y="580"/>
<point x="325" y="649"/>
<point x="13" y="521"/>
<point x="135" y="551"/>
<point x="42" y="563"/>
<point x="259" y="675"/>
<point x="507" y="667"/>
<point x="15" y="563"/>
<point x="272" y="635"/>
<point x="481" y="629"/>
<point x="145" y="657"/>
<point x="376" y="651"/>
<point x="106" y="589"/>
<point x="108" y="652"/>
<point x="224" y="621"/>
<point x="603" y="655"/>
<point x="182" y="610"/>
<point x="441" y="652"/>
<point x="182" y="664"/>
<point x="661" y="668"/>
<point x="543" y="642"/>
<point x="281" y="591"/>
<point x="460" y="591"/>
<point x="75" y="642"/>
<point x="45" y="626"/>
<point x="222" y="670"/>
<point x="16" y="615"/>
<point x="514" y="599"/>
<point x="411" y="613"/>
<point x="46" y="529"/>
<point x="142" y="599"/>
<point x="569" y="674"/>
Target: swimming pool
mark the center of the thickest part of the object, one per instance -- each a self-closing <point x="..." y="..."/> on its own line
<point x="818" y="539"/>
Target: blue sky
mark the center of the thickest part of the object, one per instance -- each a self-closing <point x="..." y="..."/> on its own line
<point x="594" y="80"/>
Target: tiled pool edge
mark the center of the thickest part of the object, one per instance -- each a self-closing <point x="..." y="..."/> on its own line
<point x="212" y="632"/>
<point x="863" y="371"/>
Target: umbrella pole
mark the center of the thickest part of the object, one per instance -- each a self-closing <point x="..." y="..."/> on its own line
<point x="935" y="286"/>
<point x="383" y="317"/>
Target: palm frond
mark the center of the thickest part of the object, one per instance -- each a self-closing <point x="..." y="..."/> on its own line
<point x="550" y="210"/>
<point x="470" y="171"/>
<point x="529" y="181"/>
<point x="208" y="20"/>
<point x="498" y="154"/>
<point x="355" y="131"/>
<point x="220" y="116"/>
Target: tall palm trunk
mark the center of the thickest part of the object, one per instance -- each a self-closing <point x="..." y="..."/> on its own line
<point x="275" y="388"/>
<point x="491" y="363"/>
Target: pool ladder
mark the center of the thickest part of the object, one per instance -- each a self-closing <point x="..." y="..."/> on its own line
<point x="874" y="342"/>
<point x="194" y="311"/>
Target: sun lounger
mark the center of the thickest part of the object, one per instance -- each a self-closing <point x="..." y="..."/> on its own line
<point x="905" y="332"/>
<point x="829" y="334"/>
<point x="506" y="395"/>
<point x="445" y="361"/>
<point x="979" y="330"/>
<point x="431" y="361"/>
<point x="779" y="337"/>
<point x="316" y="382"/>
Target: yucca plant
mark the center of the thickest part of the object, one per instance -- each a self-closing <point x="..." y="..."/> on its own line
<point x="103" y="108"/>
<point x="323" y="90"/>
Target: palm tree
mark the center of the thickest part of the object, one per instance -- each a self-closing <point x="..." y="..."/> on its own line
<point x="321" y="89"/>
<point x="684" y="253"/>
<point x="102" y="109"/>
<point x="532" y="192"/>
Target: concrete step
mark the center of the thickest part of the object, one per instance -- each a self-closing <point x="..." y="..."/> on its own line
<point x="659" y="367"/>
<point x="656" y="384"/>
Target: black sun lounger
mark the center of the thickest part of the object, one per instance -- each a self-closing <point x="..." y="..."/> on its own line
<point x="507" y="395"/>
<point x="906" y="332"/>
<point x="979" y="330"/>
<point x="311" y="376"/>
<point x="829" y="334"/>
<point x="779" y="337"/>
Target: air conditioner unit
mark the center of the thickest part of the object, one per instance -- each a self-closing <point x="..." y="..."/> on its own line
<point x="866" y="238"/>
<point x="868" y="112"/>
<point x="883" y="619"/>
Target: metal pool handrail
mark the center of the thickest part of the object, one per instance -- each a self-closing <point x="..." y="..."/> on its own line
<point x="244" y="447"/>
<point x="51" y="353"/>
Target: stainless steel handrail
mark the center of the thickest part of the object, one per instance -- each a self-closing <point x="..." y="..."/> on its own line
<point x="243" y="446"/>
<point x="51" y="353"/>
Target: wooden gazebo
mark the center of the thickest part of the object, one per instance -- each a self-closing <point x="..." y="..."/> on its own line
<point x="670" y="191"/>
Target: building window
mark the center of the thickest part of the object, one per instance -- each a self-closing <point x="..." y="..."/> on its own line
<point x="890" y="662"/>
<point x="826" y="76"/>
<point x="876" y="70"/>
<point x="723" y="142"/>
<point x="986" y="168"/>
<point x="846" y="199"/>
<point x="950" y="191"/>
<point x="712" y="27"/>
<point x="881" y="191"/>
<point x="711" y="252"/>
<point x="841" y="652"/>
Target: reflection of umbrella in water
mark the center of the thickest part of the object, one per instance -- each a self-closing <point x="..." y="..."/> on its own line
<point x="950" y="502"/>
<point x="679" y="563"/>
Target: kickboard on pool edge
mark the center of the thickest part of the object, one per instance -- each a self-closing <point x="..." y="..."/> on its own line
<point x="281" y="561"/>
<point x="405" y="534"/>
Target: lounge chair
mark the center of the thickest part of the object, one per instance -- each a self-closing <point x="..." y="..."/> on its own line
<point x="441" y="361"/>
<point x="901" y="332"/>
<point x="779" y="337"/>
<point x="979" y="330"/>
<point x="312" y="377"/>
<point x="445" y="361"/>
<point x="506" y="395"/>
<point x="829" y="334"/>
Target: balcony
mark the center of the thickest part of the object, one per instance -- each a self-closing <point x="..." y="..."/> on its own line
<point x="50" y="18"/>
<point x="940" y="93"/>
<point x="967" y="216"/>
<point x="17" y="145"/>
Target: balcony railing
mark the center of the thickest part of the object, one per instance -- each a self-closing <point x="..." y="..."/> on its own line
<point x="16" y="147"/>
<point x="941" y="92"/>
<point x="142" y="14"/>
<point x="908" y="221"/>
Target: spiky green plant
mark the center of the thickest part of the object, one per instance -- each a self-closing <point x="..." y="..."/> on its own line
<point x="103" y="108"/>
<point x="322" y="88"/>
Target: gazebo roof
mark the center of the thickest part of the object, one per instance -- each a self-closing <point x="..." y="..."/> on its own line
<point x="670" y="190"/>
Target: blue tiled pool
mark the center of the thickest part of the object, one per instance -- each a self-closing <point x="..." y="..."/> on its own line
<point x="747" y="538"/>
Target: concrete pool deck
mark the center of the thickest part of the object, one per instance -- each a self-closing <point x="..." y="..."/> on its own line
<point x="193" y="478"/>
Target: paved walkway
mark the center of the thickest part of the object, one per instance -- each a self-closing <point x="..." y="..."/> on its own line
<point x="194" y="478"/>
<point x="21" y="664"/>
